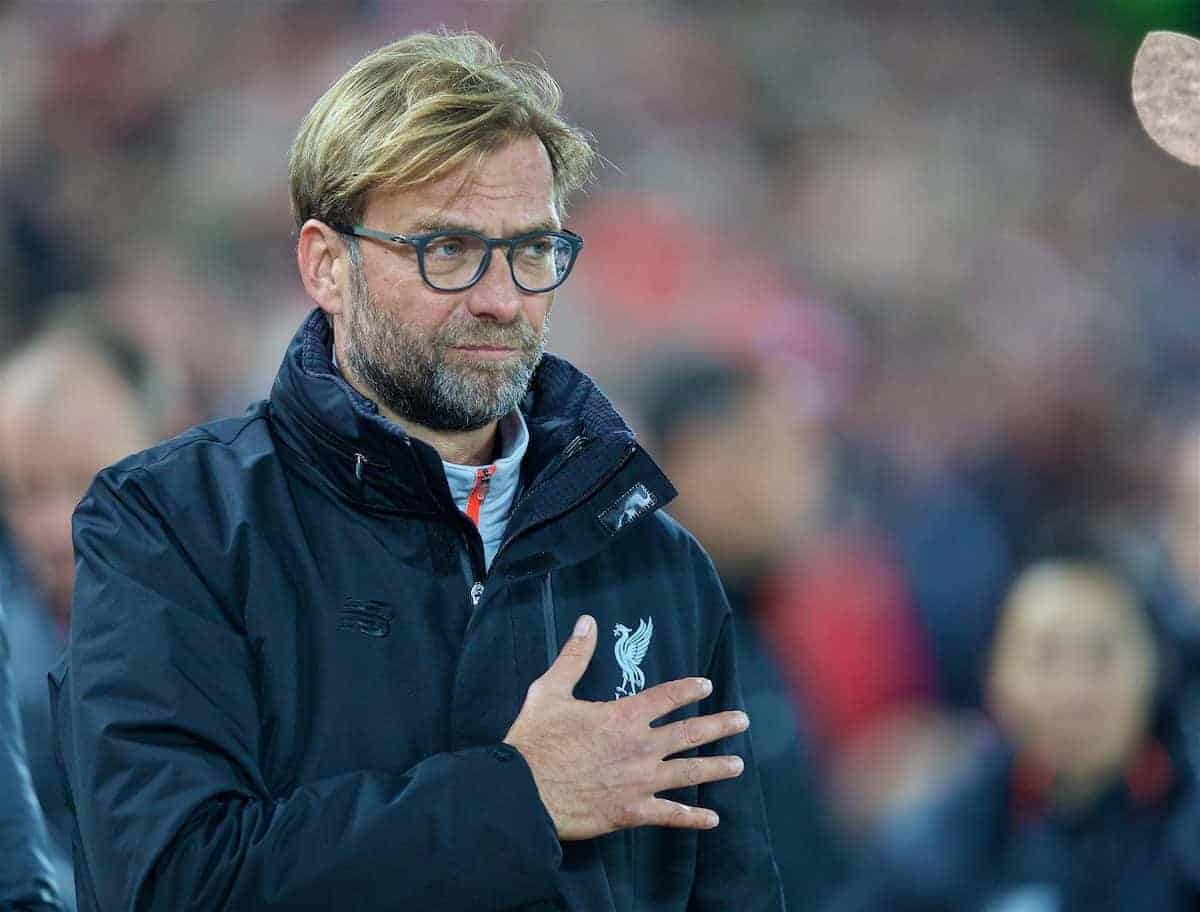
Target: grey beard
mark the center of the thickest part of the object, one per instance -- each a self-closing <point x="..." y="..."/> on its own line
<point x="409" y="376"/>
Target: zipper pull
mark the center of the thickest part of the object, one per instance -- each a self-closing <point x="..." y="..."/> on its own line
<point x="359" y="461"/>
<point x="476" y="593"/>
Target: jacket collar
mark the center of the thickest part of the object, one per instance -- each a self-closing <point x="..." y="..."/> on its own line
<point x="1146" y="782"/>
<point x="338" y="435"/>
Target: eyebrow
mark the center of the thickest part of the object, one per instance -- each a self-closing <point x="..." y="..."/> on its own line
<point x="432" y="224"/>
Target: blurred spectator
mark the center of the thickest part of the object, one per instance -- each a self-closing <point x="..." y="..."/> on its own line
<point x="762" y="480"/>
<point x="71" y="402"/>
<point x="749" y="507"/>
<point x="1083" y="800"/>
<point x="26" y="880"/>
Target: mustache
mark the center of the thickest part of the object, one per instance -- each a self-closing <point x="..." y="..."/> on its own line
<point x="519" y="335"/>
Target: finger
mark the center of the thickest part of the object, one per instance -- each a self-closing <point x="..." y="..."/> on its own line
<point x="667" y="697"/>
<point x="686" y="771"/>
<point x="666" y="813"/>
<point x="694" y="732"/>
<point x="572" y="661"/>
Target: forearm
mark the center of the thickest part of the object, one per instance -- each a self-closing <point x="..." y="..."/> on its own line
<point x="461" y="831"/>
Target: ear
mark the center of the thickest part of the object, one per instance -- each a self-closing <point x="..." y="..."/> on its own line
<point x="1166" y="93"/>
<point x="324" y="264"/>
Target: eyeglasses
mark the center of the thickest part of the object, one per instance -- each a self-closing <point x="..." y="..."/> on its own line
<point x="455" y="260"/>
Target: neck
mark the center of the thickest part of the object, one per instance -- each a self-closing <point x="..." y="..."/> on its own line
<point x="1074" y="792"/>
<point x="460" y="447"/>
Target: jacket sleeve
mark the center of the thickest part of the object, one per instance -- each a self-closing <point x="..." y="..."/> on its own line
<point x="735" y="868"/>
<point x="160" y="736"/>
<point x="25" y="879"/>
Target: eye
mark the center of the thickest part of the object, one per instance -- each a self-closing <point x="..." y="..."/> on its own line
<point x="447" y="247"/>
<point x="538" y="248"/>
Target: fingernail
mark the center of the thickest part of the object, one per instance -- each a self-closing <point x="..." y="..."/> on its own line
<point x="737" y="764"/>
<point x="711" y="820"/>
<point x="583" y="626"/>
<point x="705" y="686"/>
<point x="743" y="722"/>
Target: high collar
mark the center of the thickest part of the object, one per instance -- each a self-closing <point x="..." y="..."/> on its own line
<point x="340" y="436"/>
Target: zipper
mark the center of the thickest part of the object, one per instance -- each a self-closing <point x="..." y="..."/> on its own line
<point x="483" y="482"/>
<point x="549" y="620"/>
<point x="563" y="457"/>
<point x="577" y="444"/>
<point x="335" y="444"/>
<point x="475" y="585"/>
<point x="467" y="561"/>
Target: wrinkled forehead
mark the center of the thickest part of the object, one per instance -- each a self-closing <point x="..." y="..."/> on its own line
<point x="514" y="183"/>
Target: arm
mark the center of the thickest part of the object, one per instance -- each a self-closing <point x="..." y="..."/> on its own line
<point x="160" y="736"/>
<point x="25" y="879"/>
<point x="736" y="866"/>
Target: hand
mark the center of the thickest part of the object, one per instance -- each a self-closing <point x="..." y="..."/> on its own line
<point x="597" y="766"/>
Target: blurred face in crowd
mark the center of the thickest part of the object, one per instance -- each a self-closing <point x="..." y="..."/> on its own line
<point x="750" y="479"/>
<point x="64" y="415"/>
<point x="451" y="361"/>
<point x="1073" y="673"/>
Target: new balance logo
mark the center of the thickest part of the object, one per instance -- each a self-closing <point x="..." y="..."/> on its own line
<point x="374" y="619"/>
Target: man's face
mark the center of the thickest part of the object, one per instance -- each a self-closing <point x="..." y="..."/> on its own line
<point x="49" y="453"/>
<point x="1073" y="672"/>
<point x="451" y="361"/>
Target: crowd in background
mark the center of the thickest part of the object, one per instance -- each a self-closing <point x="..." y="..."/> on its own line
<point x="899" y="295"/>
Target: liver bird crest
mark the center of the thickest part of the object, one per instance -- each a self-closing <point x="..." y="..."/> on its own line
<point x="630" y="649"/>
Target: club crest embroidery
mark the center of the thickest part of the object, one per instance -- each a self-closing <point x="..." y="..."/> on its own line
<point x="630" y="649"/>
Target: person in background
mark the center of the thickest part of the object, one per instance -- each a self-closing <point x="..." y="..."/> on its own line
<point x="70" y="403"/>
<point x="27" y="883"/>
<point x="1083" y="799"/>
<point x="699" y="413"/>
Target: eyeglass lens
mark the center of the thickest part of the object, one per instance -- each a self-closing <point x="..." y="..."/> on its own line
<point x="539" y="263"/>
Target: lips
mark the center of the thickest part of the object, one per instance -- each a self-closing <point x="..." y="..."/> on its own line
<point x="487" y="352"/>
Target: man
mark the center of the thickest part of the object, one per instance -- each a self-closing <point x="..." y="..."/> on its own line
<point x="1085" y="798"/>
<point x="69" y="405"/>
<point x="342" y="652"/>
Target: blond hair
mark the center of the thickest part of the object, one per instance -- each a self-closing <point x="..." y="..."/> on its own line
<point x="414" y="110"/>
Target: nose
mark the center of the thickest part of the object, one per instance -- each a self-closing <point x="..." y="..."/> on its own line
<point x="495" y="296"/>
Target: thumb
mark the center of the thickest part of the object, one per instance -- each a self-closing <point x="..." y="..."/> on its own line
<point x="573" y="660"/>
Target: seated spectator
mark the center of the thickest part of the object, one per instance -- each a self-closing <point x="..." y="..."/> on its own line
<point x="1083" y="800"/>
<point x="70" y="404"/>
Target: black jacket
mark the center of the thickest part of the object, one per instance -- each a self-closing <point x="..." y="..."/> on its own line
<point x="984" y="846"/>
<point x="26" y="882"/>
<point x="279" y="694"/>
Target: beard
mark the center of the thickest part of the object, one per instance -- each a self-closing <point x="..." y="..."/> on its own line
<point x="409" y="373"/>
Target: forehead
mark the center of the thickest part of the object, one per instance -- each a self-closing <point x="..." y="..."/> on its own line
<point x="506" y="189"/>
<point x="73" y="418"/>
<point x="1071" y="602"/>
